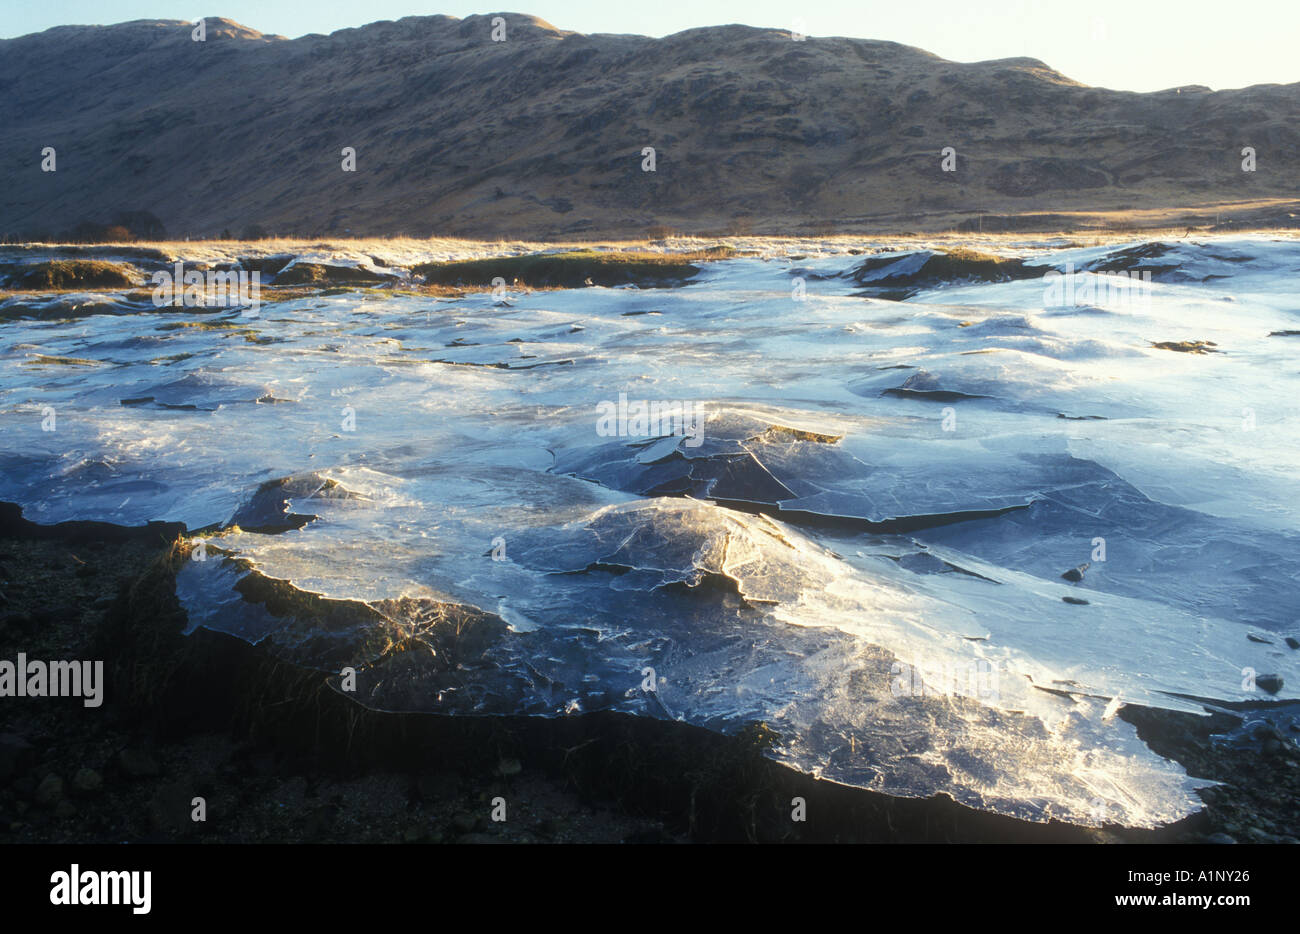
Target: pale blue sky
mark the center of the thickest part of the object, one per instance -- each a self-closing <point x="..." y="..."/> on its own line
<point x="1136" y="45"/>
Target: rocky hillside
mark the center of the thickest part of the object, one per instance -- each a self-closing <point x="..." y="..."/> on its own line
<point x="542" y="134"/>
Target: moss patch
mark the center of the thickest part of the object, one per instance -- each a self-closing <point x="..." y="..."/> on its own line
<point x="43" y="360"/>
<point x="1187" y="346"/>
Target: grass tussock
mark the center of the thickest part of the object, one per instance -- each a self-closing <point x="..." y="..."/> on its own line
<point x="141" y="633"/>
<point x="955" y="265"/>
<point x="68" y="274"/>
<point x="573" y="269"/>
<point x="321" y="274"/>
<point x="973" y="264"/>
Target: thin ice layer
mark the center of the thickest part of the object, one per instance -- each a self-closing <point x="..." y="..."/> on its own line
<point x="452" y="429"/>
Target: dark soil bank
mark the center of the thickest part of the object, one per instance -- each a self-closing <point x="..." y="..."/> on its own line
<point x="279" y="756"/>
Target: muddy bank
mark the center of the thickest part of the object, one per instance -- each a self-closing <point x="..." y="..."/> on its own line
<point x="278" y="755"/>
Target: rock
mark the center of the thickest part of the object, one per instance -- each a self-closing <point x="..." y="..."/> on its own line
<point x="170" y="808"/>
<point x="1077" y="601"/>
<point x="1254" y="638"/>
<point x="138" y="764"/>
<point x="1293" y="642"/>
<point x="49" y="791"/>
<point x="14" y="753"/>
<point x="412" y="835"/>
<point x="87" y="781"/>
<point x="463" y="823"/>
<point x="1076" y="574"/>
<point x="1221" y="838"/>
<point x="1270" y="683"/>
<point x="508" y="767"/>
<point x="64" y="809"/>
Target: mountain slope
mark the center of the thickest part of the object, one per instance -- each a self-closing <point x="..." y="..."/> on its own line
<point x="542" y="134"/>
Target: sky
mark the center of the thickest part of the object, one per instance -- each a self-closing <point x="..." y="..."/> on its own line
<point x="1131" y="45"/>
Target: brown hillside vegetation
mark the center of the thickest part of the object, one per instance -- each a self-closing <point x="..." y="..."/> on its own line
<point x="542" y="135"/>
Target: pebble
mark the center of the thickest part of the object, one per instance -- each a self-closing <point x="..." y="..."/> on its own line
<point x="50" y="790"/>
<point x="1270" y="683"/>
<point x="1076" y="574"/>
<point x="13" y="750"/>
<point x="87" y="781"/>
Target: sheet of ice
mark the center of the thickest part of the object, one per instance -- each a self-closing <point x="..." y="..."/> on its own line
<point x="487" y="540"/>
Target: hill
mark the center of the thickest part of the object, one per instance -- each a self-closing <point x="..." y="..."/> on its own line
<point x="542" y="135"/>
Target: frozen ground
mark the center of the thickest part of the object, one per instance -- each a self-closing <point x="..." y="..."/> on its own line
<point x="860" y="542"/>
